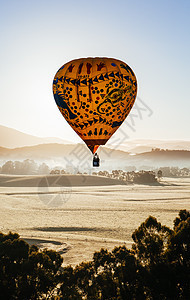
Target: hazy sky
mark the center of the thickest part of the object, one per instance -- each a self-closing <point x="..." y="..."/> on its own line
<point x="38" y="37"/>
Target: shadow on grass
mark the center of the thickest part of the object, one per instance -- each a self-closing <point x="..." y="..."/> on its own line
<point x="32" y="241"/>
<point x="64" y="229"/>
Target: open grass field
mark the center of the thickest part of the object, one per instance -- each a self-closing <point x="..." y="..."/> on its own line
<point x="79" y="215"/>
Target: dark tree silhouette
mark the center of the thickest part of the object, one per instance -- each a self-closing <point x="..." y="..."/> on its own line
<point x="157" y="267"/>
<point x="26" y="272"/>
<point x="159" y="174"/>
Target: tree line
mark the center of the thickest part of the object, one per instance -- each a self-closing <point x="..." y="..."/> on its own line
<point x="26" y="167"/>
<point x="30" y="167"/>
<point x="156" y="267"/>
<point x="132" y="176"/>
<point x="174" y="171"/>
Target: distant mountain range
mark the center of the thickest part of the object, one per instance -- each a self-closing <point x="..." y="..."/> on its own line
<point x="15" y="145"/>
<point x="78" y="155"/>
<point x="12" y="138"/>
<point x="140" y="146"/>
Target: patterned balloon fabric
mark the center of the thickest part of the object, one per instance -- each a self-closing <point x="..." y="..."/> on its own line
<point x="95" y="95"/>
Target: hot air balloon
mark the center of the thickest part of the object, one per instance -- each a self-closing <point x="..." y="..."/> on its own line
<point x="95" y="95"/>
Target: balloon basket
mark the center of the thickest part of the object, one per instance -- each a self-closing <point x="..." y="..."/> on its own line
<point x="96" y="160"/>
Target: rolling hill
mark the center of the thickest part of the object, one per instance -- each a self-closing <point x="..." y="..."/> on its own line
<point x="11" y="138"/>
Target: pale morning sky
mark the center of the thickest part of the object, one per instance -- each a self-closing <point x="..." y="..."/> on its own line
<point x="38" y="37"/>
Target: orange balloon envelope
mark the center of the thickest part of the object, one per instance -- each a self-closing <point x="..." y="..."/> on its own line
<point x="95" y="95"/>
